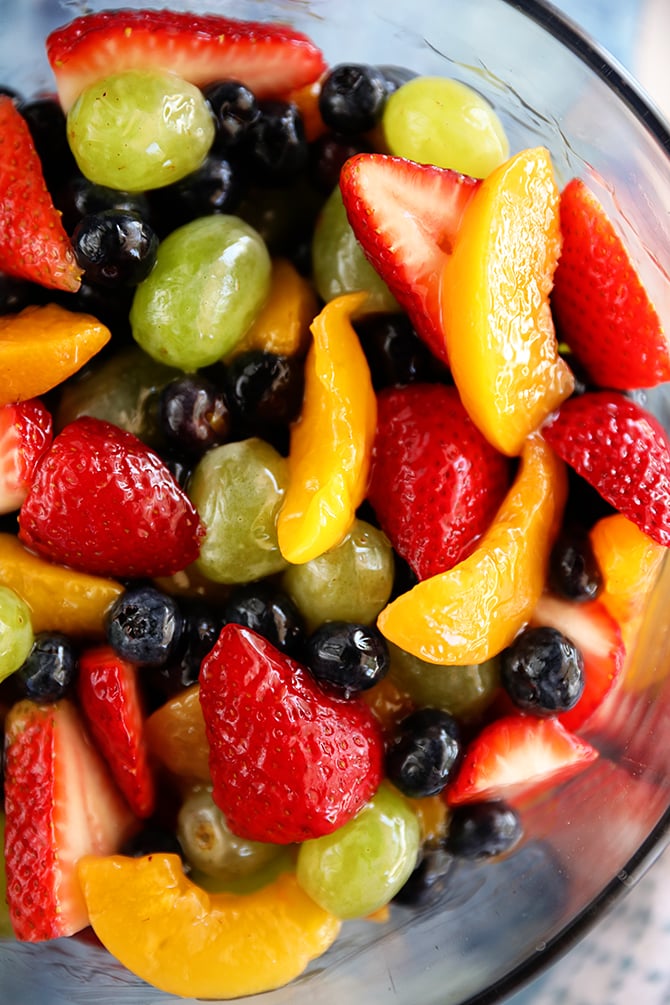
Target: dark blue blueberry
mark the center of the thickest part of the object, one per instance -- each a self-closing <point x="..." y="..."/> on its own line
<point x="268" y="611"/>
<point x="215" y="187"/>
<point x="277" y="149"/>
<point x="395" y="353"/>
<point x="424" y="752"/>
<point x="327" y="154"/>
<point x="542" y="671"/>
<point x="352" y="97"/>
<point x="264" y="392"/>
<point x="50" y="669"/>
<point x="144" y="626"/>
<point x="81" y="197"/>
<point x="482" y="830"/>
<point x="47" y="124"/>
<point x="235" y="110"/>
<point x="348" y="656"/>
<point x="573" y="568"/>
<point x="193" y="414"/>
<point x="115" y="247"/>
<point x="396" y="76"/>
<point x="201" y="625"/>
<point x="429" y="882"/>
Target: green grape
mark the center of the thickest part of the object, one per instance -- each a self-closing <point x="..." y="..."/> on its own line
<point x="339" y="263"/>
<point x="436" y="120"/>
<point x="210" y="280"/>
<point x="283" y="861"/>
<point x="122" y="389"/>
<point x="351" y="582"/>
<point x="140" y="129"/>
<point x="362" y="865"/>
<point x="464" y="691"/>
<point x="238" y="489"/>
<point x="16" y="632"/>
<point x="211" y="847"/>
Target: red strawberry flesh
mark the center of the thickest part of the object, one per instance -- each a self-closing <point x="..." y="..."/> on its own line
<point x="26" y="431"/>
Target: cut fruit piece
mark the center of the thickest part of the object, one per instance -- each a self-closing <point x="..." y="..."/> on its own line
<point x="601" y="308"/>
<point x="497" y="321"/>
<point x="41" y="346"/>
<point x="515" y="755"/>
<point x="188" y="942"/>
<point x="269" y="59"/>
<point x="502" y="579"/>
<point x="331" y="443"/>
<point x="26" y="431"/>
<point x="406" y="216"/>
<point x="176" y="736"/>
<point x="60" y="599"/>
<point x="60" y="805"/>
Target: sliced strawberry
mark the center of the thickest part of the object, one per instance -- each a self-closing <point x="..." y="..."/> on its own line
<point x="622" y="451"/>
<point x="598" y="637"/>
<point x="26" y="431"/>
<point x="516" y="754"/>
<point x="435" y="483"/>
<point x="600" y="306"/>
<point x="102" y="502"/>
<point x="112" y="706"/>
<point x="33" y="243"/>
<point x="60" y="804"/>
<point x="406" y="217"/>
<point x="269" y="58"/>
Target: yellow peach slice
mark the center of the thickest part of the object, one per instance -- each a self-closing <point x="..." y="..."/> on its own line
<point x="42" y="346"/>
<point x="470" y="613"/>
<point x="500" y="335"/>
<point x="185" y="941"/>
<point x="60" y="599"/>
<point x="176" y="735"/>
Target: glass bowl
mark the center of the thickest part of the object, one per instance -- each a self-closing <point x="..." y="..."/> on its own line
<point x="589" y="839"/>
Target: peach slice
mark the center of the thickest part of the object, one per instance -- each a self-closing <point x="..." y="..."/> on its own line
<point x="500" y="335"/>
<point x="185" y="941"/>
<point x="176" y="735"/>
<point x="42" y="346"/>
<point x="470" y="613"/>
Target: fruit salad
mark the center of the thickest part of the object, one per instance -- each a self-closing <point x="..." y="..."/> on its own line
<point x="328" y="507"/>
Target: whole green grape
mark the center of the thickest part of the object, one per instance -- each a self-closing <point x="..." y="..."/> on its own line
<point x="16" y="632"/>
<point x="362" y="865"/>
<point x="339" y="263"/>
<point x="210" y="280"/>
<point x="465" y="691"/>
<point x="351" y="582"/>
<point x="139" y="129"/>
<point x="438" y="120"/>
<point x="238" y="489"/>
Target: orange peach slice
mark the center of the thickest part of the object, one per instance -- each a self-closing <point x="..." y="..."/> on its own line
<point x="42" y="346"/>
<point x="176" y="735"/>
<point x="185" y="941"/>
<point x="470" y="613"/>
<point x="500" y="335"/>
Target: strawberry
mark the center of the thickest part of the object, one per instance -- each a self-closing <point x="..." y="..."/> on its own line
<point x="599" y="303"/>
<point x="33" y="243"/>
<point x="270" y="59"/>
<point x="111" y="703"/>
<point x="598" y="637"/>
<point x="288" y="761"/>
<point x="622" y="451"/>
<point x="406" y="217"/>
<point x="435" y="482"/>
<point x="104" y="503"/>
<point x="60" y="804"/>
<point x="514" y="755"/>
<point x="26" y="431"/>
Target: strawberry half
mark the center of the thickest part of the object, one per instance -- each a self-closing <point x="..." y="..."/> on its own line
<point x="60" y="804"/>
<point x="622" y="451"/>
<point x="26" y="431"/>
<point x="435" y="482"/>
<point x="406" y="217"/>
<point x="33" y="243"/>
<point x="515" y="755"/>
<point x="598" y="637"/>
<point x="104" y="503"/>
<point x="269" y="58"/>
<point x="599" y="303"/>
<point x="288" y="761"/>
<point x="111" y="703"/>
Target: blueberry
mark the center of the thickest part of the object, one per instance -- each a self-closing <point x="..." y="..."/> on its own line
<point x="81" y="197"/>
<point x="50" y="669"/>
<point x="115" y="247"/>
<point x="542" y="671"/>
<point x="265" y="394"/>
<point x="347" y="656"/>
<point x="235" y="110"/>
<point x="154" y="839"/>
<point x="482" y="830"/>
<point x="215" y="187"/>
<point x="47" y="124"/>
<point x="395" y="353"/>
<point x="352" y="97"/>
<point x="327" y="155"/>
<point x="424" y="752"/>
<point x="396" y="76"/>
<point x="430" y="880"/>
<point x="277" y="148"/>
<point x="201" y="625"/>
<point x="268" y="611"/>
<point x="573" y="568"/>
<point x="144" y="626"/>
<point x="193" y="414"/>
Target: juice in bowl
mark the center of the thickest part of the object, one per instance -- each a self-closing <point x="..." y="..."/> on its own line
<point x="550" y="799"/>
